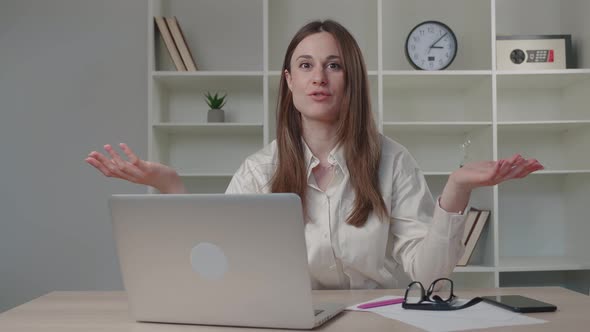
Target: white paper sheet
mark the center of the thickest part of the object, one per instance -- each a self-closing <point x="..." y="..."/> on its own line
<point x="479" y="316"/>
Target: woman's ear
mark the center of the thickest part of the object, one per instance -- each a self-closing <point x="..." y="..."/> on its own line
<point x="288" y="79"/>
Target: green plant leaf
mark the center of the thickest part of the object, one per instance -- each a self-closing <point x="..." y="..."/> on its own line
<point x="215" y="101"/>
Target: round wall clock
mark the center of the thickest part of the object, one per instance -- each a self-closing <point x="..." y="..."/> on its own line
<point x="431" y="45"/>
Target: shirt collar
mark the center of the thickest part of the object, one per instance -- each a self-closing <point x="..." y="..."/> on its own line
<point x="336" y="157"/>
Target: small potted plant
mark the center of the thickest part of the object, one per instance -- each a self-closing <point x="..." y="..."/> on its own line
<point x="215" y="102"/>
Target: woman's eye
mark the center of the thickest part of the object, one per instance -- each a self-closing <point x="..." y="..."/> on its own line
<point x="305" y="65"/>
<point x="334" y="65"/>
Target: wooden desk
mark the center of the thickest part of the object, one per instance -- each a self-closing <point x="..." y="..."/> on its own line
<point x="107" y="311"/>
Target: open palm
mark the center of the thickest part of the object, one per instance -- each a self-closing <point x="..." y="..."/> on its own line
<point x="489" y="173"/>
<point x="133" y="169"/>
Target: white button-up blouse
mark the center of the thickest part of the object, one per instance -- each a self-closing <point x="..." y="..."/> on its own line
<point x="421" y="241"/>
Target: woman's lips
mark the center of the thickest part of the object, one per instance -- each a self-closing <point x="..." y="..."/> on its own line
<point x="320" y="96"/>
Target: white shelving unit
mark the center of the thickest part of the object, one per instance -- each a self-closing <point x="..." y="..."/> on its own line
<point x="538" y="231"/>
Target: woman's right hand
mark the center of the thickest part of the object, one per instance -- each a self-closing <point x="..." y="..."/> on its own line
<point x="135" y="170"/>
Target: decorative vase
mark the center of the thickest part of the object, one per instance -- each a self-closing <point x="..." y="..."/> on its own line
<point x="215" y="115"/>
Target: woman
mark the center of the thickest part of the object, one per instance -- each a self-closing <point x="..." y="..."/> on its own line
<point x="370" y="218"/>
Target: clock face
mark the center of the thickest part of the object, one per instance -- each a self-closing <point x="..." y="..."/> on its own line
<point x="431" y="45"/>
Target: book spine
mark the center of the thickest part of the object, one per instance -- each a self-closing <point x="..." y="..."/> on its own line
<point x="185" y="53"/>
<point x="170" y="45"/>
<point x="474" y="236"/>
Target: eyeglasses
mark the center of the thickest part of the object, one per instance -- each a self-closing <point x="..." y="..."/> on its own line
<point x="439" y="296"/>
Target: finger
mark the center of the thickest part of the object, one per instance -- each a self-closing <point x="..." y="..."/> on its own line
<point x="132" y="157"/>
<point x="131" y="170"/>
<point x="515" y="165"/>
<point x="129" y="153"/>
<point x="496" y="165"/>
<point x="101" y="158"/>
<point x="112" y="170"/>
<point x="116" y="158"/>
<point x="120" y="170"/>
<point x="515" y="158"/>
<point x="107" y="171"/>
<point x="523" y="168"/>
<point x="538" y="164"/>
<point x="495" y="176"/>
<point x="99" y="166"/>
<point x="118" y="173"/>
<point x="532" y="166"/>
<point x="517" y="168"/>
<point x="505" y="167"/>
<point x="124" y="169"/>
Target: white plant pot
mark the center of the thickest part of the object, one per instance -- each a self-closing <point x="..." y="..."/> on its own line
<point x="215" y="115"/>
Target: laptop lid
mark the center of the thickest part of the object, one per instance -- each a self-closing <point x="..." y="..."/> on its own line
<point x="214" y="259"/>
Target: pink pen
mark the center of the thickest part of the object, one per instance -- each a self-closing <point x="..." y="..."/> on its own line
<point x="381" y="303"/>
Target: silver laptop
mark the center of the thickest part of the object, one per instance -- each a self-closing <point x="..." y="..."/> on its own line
<point x="237" y="260"/>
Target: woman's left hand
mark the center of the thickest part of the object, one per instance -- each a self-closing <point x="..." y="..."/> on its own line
<point x="489" y="173"/>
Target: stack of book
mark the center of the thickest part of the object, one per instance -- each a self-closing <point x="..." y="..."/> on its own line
<point x="175" y="43"/>
<point x="476" y="220"/>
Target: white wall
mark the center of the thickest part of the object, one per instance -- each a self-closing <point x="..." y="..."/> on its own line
<point x="72" y="78"/>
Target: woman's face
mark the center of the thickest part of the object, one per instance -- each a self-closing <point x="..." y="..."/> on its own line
<point x="316" y="79"/>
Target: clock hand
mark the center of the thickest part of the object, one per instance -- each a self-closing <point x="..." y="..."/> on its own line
<point x="431" y="47"/>
<point x="441" y="37"/>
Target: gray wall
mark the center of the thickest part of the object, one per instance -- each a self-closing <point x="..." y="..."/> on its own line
<point x="72" y="78"/>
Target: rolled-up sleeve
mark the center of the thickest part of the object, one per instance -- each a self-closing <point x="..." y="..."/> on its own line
<point x="426" y="238"/>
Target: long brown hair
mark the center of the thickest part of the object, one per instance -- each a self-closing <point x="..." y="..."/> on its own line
<point x="356" y="129"/>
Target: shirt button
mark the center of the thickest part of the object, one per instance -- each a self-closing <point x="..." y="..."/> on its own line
<point x="325" y="235"/>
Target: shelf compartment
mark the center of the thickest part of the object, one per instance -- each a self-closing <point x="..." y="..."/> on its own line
<point x="438" y="148"/>
<point x="180" y="98"/>
<point x="473" y="31"/>
<point x="214" y="45"/>
<point x="578" y="281"/>
<point x="286" y="17"/>
<point x="538" y="17"/>
<point x="559" y="96"/>
<point x="557" y="145"/>
<point x="538" y="210"/>
<point x="206" y="152"/>
<point x="439" y="97"/>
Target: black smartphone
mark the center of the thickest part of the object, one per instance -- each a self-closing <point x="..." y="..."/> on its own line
<point x="519" y="303"/>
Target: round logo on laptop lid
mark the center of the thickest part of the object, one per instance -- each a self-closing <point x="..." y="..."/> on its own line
<point x="209" y="261"/>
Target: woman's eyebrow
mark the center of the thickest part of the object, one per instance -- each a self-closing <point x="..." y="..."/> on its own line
<point x="309" y="57"/>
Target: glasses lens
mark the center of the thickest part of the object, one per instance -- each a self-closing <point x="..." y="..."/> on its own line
<point x="441" y="291"/>
<point x="415" y="292"/>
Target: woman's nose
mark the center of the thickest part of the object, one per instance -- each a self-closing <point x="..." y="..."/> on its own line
<point x="319" y="77"/>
